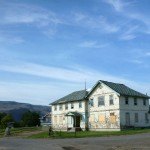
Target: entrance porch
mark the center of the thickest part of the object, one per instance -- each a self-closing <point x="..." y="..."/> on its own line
<point x="73" y="121"/>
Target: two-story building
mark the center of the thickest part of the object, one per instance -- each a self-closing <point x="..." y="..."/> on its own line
<point x="107" y="106"/>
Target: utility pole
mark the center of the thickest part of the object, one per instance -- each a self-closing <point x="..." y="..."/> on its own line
<point x="85" y="84"/>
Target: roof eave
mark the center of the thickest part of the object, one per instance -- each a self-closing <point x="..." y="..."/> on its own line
<point x="56" y="103"/>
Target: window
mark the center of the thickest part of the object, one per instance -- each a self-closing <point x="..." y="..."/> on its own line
<point x="135" y="101"/>
<point x="136" y="117"/>
<point x="144" y="102"/>
<point x="111" y="100"/>
<point x="66" y="106"/>
<point x="60" y="120"/>
<point x="60" y="107"/>
<point x="92" y="118"/>
<point x="101" y="101"/>
<point x="72" y="105"/>
<point x="102" y="118"/>
<point x="112" y="118"/>
<point x="146" y="118"/>
<point x="126" y="101"/>
<point x="91" y="102"/>
<point x="55" y="107"/>
<point x="55" y="119"/>
<point x="80" y="104"/>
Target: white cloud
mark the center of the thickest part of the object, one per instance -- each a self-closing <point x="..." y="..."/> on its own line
<point x="136" y="61"/>
<point x="21" y="14"/>
<point x="71" y="79"/>
<point x="35" y="93"/>
<point x="11" y="39"/>
<point x="92" y="44"/>
<point x="116" y="4"/>
<point x="129" y="34"/>
<point x="147" y="54"/>
<point x="17" y="13"/>
<point x="120" y="7"/>
<point x="100" y="23"/>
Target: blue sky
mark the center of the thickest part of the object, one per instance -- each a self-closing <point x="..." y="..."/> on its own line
<point x="49" y="48"/>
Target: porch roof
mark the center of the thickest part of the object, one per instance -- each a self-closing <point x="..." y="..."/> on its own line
<point x="73" y="114"/>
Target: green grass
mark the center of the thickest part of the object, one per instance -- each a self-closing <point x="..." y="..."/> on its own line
<point x="89" y="133"/>
<point x="17" y="131"/>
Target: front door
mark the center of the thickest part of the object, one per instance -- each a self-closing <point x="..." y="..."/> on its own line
<point x="127" y="119"/>
<point x="78" y="121"/>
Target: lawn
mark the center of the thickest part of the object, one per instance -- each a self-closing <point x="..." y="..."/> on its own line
<point x="17" y="131"/>
<point x="81" y="134"/>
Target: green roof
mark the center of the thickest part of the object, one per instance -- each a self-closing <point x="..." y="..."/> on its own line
<point x="120" y="89"/>
<point x="75" y="96"/>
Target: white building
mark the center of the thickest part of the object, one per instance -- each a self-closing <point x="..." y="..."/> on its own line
<point x="108" y="106"/>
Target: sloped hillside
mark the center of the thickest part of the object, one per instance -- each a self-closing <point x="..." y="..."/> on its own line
<point x="18" y="109"/>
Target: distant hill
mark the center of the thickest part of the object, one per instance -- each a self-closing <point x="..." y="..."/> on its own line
<point x="18" y="109"/>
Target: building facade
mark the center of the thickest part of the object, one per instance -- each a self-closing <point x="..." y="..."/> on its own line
<point x="107" y="106"/>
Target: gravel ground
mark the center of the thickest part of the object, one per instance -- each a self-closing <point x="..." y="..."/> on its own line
<point x="126" y="142"/>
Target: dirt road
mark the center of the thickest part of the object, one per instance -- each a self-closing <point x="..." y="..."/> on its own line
<point x="127" y="142"/>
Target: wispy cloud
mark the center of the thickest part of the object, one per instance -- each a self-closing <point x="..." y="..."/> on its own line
<point x="147" y="54"/>
<point x="36" y="93"/>
<point x="72" y="74"/>
<point x="129" y="34"/>
<point x="11" y="39"/>
<point x="71" y="78"/>
<point x="92" y="44"/>
<point x="120" y="7"/>
<point x="25" y="15"/>
<point x="136" y="61"/>
<point x="18" y="13"/>
<point x="99" y="23"/>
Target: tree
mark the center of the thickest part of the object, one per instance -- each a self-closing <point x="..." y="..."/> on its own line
<point x="2" y="115"/>
<point x="5" y="120"/>
<point x="30" y="119"/>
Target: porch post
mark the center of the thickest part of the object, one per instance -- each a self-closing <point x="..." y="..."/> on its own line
<point x="67" y="123"/>
<point x="75" y="122"/>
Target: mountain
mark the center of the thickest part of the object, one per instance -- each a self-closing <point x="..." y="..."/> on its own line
<point x="18" y="109"/>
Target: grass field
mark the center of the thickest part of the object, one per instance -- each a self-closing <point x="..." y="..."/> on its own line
<point x="17" y="131"/>
<point x="81" y="134"/>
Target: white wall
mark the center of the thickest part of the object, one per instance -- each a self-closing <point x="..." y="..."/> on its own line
<point x="99" y="111"/>
<point x="132" y="109"/>
<point x="68" y="121"/>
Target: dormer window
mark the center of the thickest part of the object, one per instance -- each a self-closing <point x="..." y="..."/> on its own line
<point x="126" y="101"/>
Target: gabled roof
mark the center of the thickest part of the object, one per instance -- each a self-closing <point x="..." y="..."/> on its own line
<point x="75" y="96"/>
<point x="120" y="89"/>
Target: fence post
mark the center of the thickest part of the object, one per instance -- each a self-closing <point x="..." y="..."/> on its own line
<point x="60" y="132"/>
<point x="75" y="131"/>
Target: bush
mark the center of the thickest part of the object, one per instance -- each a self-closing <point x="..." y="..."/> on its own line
<point x="5" y="120"/>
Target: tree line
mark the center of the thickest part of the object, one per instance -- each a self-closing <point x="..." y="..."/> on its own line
<point x="28" y="119"/>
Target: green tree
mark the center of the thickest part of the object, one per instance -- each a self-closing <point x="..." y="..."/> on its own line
<point x="5" y="120"/>
<point x="30" y="119"/>
<point x="2" y="115"/>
